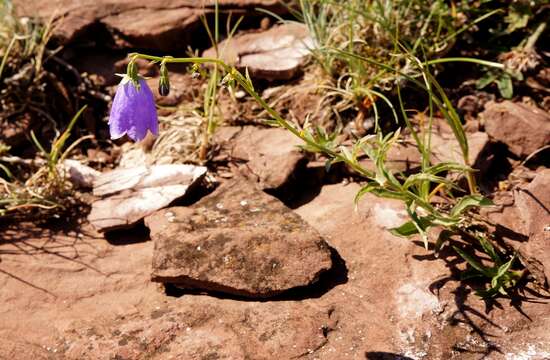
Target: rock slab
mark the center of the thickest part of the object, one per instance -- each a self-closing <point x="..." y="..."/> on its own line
<point x="523" y="223"/>
<point x="127" y="195"/>
<point x="205" y="328"/>
<point x="272" y="155"/>
<point x="524" y="129"/>
<point x="275" y="54"/>
<point x="238" y="240"/>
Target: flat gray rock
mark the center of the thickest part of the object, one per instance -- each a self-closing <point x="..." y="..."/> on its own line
<point x="128" y="195"/>
<point x="237" y="240"/>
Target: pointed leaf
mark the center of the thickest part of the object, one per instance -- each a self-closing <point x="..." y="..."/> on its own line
<point x="468" y="202"/>
<point x="489" y="250"/>
<point x="474" y="263"/>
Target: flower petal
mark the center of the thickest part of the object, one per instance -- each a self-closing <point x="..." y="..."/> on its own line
<point x="133" y="111"/>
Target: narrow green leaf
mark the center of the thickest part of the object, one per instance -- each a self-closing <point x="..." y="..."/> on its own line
<point x="58" y="145"/>
<point x="470" y="273"/>
<point x="410" y="228"/>
<point x="446" y="166"/>
<point x="6" y="171"/>
<point x="489" y="249"/>
<point x="486" y="79"/>
<point x="444" y="236"/>
<point x="503" y="269"/>
<point x="505" y="86"/>
<point x="328" y="165"/>
<point x="487" y="293"/>
<point x="474" y="263"/>
<point x="469" y="201"/>
<point x="38" y="144"/>
<point x="365" y="189"/>
<point x="421" y="177"/>
<point x="380" y="192"/>
<point x="405" y="230"/>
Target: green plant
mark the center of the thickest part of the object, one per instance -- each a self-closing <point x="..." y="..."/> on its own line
<point x="501" y="274"/>
<point x="193" y="125"/>
<point x="38" y="88"/>
<point x="21" y="40"/>
<point x="415" y="190"/>
<point x="211" y="112"/>
<point x="47" y="189"/>
<point x="373" y="29"/>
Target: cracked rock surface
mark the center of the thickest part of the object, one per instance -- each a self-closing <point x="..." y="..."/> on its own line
<point x="237" y="240"/>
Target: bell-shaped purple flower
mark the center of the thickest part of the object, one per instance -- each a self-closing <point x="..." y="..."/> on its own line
<point x="133" y="111"/>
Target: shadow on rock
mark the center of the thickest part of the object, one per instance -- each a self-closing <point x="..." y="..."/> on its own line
<point x="136" y="234"/>
<point x="475" y="312"/>
<point x="336" y="275"/>
<point x="382" y="355"/>
<point x="306" y="184"/>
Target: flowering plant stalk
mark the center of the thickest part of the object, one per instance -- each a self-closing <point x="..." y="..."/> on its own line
<point x="312" y="141"/>
<point x="414" y="190"/>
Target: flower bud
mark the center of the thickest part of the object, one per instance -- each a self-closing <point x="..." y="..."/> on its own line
<point x="197" y="71"/>
<point x="164" y="81"/>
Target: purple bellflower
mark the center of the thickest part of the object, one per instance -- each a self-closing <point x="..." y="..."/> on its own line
<point x="133" y="111"/>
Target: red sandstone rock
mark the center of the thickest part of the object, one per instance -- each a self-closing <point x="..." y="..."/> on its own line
<point x="237" y="240"/>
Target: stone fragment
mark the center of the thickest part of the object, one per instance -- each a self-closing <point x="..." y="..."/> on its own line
<point x="533" y="203"/>
<point x="275" y="54"/>
<point x="128" y="195"/>
<point x="523" y="128"/>
<point x="445" y="147"/>
<point x="522" y="221"/>
<point x="79" y="174"/>
<point x="272" y="154"/>
<point x="237" y="240"/>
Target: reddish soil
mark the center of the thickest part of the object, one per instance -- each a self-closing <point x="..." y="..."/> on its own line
<point x="77" y="295"/>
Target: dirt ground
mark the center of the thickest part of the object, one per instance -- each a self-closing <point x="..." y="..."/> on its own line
<point x="74" y="294"/>
<point x="72" y="289"/>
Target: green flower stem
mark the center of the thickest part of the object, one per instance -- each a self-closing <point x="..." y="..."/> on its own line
<point x="533" y="38"/>
<point x="465" y="59"/>
<point x="247" y="86"/>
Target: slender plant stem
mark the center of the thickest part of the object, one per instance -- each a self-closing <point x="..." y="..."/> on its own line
<point x="465" y="59"/>
<point x="246" y="84"/>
